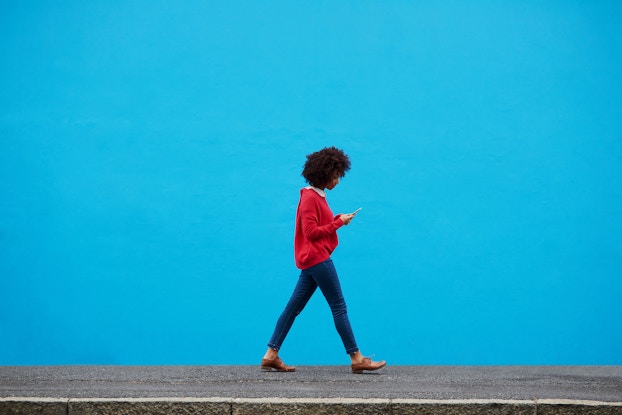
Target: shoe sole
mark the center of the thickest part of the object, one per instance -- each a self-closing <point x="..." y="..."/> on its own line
<point x="273" y="369"/>
<point x="361" y="371"/>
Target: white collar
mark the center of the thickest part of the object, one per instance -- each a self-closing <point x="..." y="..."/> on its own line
<point x="317" y="190"/>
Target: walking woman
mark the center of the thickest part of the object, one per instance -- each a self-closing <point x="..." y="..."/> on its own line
<point x="314" y="241"/>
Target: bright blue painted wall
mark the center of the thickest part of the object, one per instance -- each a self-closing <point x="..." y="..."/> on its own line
<point x="150" y="165"/>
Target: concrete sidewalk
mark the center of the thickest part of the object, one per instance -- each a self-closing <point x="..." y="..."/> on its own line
<point x="311" y="389"/>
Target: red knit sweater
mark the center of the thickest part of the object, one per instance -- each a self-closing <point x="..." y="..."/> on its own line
<point x="316" y="230"/>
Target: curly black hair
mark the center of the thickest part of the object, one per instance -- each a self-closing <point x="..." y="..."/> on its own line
<point x="324" y="166"/>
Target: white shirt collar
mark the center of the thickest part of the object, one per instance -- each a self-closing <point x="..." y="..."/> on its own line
<point x="317" y="190"/>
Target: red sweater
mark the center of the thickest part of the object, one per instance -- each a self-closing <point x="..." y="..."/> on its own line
<point x="316" y="230"/>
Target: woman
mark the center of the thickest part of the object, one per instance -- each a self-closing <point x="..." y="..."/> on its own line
<point x="314" y="241"/>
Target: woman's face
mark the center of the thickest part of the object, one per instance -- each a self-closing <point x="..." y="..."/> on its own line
<point x="331" y="185"/>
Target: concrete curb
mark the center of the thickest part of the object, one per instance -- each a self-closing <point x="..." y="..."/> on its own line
<point x="300" y="406"/>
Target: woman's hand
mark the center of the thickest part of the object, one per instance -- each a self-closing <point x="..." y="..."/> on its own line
<point x="346" y="218"/>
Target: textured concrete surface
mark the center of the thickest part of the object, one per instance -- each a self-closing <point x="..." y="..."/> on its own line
<point x="244" y="390"/>
<point x="308" y="406"/>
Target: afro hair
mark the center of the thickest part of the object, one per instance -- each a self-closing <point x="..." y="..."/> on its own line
<point x="324" y="166"/>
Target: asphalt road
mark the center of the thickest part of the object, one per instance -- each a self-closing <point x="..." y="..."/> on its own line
<point x="594" y="383"/>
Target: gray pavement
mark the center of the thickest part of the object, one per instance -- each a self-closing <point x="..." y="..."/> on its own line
<point x="598" y="383"/>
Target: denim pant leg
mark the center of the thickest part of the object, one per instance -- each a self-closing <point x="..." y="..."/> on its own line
<point x="303" y="291"/>
<point x="325" y="276"/>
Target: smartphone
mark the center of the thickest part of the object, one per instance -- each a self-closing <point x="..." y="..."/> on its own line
<point x="356" y="211"/>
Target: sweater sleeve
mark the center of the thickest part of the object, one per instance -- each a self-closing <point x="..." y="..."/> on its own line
<point x="309" y="214"/>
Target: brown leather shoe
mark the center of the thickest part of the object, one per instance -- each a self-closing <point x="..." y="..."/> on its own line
<point x="367" y="364"/>
<point x="276" y="364"/>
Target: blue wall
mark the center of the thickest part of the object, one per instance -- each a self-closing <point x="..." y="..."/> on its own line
<point x="150" y="165"/>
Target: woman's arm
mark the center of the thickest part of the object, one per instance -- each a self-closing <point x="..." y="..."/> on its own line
<point x="310" y="223"/>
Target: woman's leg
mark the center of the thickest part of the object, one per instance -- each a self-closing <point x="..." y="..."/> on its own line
<point x="303" y="291"/>
<point x="327" y="280"/>
<point x="325" y="276"/>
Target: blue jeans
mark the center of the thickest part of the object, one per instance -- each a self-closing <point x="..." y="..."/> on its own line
<point x="322" y="275"/>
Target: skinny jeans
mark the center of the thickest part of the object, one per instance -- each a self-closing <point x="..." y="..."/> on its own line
<point x="323" y="275"/>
